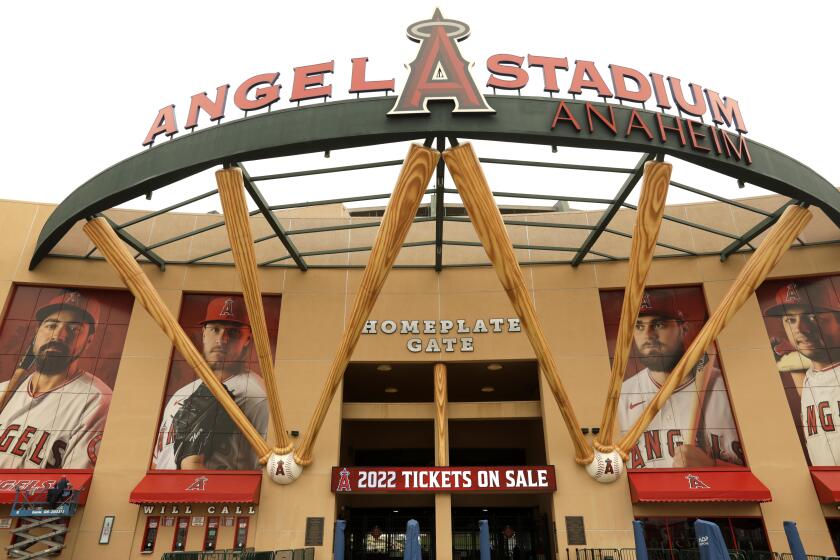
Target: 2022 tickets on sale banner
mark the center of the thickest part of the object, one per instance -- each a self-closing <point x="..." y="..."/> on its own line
<point x="443" y="479"/>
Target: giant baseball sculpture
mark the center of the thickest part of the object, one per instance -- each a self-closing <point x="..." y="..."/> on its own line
<point x="605" y="463"/>
<point x="645" y="232"/>
<point x="771" y="249"/>
<point x="232" y="195"/>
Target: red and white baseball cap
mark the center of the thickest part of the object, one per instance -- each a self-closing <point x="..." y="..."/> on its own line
<point x="809" y="296"/>
<point x="660" y="303"/>
<point x="72" y="299"/>
<point x="226" y="309"/>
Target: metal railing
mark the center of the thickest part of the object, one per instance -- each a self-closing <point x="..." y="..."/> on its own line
<point x="220" y="555"/>
<point x="682" y="554"/>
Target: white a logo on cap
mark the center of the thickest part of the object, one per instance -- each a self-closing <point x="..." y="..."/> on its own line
<point x="227" y="309"/>
<point x="646" y="305"/>
<point x="72" y="298"/>
<point x="792" y="294"/>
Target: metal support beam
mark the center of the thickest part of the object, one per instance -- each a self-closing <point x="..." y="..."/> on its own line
<point x="615" y="206"/>
<point x="302" y="231"/>
<point x="550" y="165"/>
<point x="272" y="220"/>
<point x="439" y="208"/>
<point x="754" y="231"/>
<point x="345" y="250"/>
<point x="730" y="201"/>
<point x="555" y="198"/>
<point x="135" y="244"/>
<point x="327" y="170"/>
<point x="156" y="213"/>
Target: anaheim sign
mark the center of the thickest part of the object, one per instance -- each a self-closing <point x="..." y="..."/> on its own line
<point x="440" y="73"/>
<point x="359" y="480"/>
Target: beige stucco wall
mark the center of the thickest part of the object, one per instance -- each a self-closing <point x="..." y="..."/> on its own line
<point x="314" y="308"/>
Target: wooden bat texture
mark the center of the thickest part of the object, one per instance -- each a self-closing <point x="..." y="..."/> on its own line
<point x="645" y="232"/>
<point x="771" y="249"/>
<point x="466" y="171"/>
<point x="14" y="382"/>
<point x="232" y="195"/>
<point x="703" y="379"/>
<point x="441" y="419"/>
<point x="100" y="232"/>
<point x="399" y="214"/>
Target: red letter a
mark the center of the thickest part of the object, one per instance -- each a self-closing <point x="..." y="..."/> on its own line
<point x="439" y="71"/>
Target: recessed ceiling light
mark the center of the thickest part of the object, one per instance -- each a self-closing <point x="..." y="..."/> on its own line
<point x="494" y="367"/>
<point x="383" y="367"/>
<point x="396" y="511"/>
<point x="487" y="389"/>
<point x="391" y="390"/>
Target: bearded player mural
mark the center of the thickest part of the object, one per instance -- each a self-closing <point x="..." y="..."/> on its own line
<point x="195" y="432"/>
<point x="60" y="349"/>
<point x="802" y="317"/>
<point x="695" y="428"/>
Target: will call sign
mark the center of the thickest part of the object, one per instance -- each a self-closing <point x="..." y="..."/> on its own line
<point x="440" y="72"/>
<point x="532" y="479"/>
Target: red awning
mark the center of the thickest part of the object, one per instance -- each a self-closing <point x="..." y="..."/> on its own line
<point x="697" y="485"/>
<point x="39" y="480"/>
<point x="198" y="487"/>
<point x="827" y="483"/>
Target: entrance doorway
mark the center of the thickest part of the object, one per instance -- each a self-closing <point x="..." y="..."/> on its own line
<point x="379" y="533"/>
<point x="515" y="533"/>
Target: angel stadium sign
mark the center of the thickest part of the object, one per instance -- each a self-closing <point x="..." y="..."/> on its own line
<point x="584" y="105"/>
<point x="439" y="72"/>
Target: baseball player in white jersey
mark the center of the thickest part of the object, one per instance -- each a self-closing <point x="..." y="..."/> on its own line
<point x="659" y="339"/>
<point x="810" y="313"/>
<point x="226" y="337"/>
<point x="56" y="415"/>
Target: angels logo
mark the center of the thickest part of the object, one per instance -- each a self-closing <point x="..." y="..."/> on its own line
<point x="695" y="483"/>
<point x="792" y="294"/>
<point x="227" y="310"/>
<point x="72" y="298"/>
<point x="198" y="485"/>
<point x="608" y="468"/>
<point x="439" y="71"/>
<point x="343" y="481"/>
<point x="646" y="304"/>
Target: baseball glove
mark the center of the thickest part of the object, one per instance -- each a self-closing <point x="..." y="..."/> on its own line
<point x="201" y="426"/>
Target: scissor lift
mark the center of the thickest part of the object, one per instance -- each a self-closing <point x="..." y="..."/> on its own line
<point x="42" y="526"/>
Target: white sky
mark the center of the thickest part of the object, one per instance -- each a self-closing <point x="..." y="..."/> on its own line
<point x="82" y="81"/>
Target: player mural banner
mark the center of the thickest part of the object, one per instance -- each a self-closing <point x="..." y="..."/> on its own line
<point x="60" y="350"/>
<point x="696" y="427"/>
<point x="194" y="431"/>
<point x="802" y="317"/>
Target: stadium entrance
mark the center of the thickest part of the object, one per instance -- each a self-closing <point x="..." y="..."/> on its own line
<point x="380" y="533"/>
<point x="516" y="533"/>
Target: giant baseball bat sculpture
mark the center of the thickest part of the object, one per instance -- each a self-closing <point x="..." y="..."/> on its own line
<point x="232" y="195"/>
<point x="402" y="208"/>
<point x="645" y="232"/>
<point x="466" y="171"/>
<point x="771" y="249"/>
<point x="100" y="232"/>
